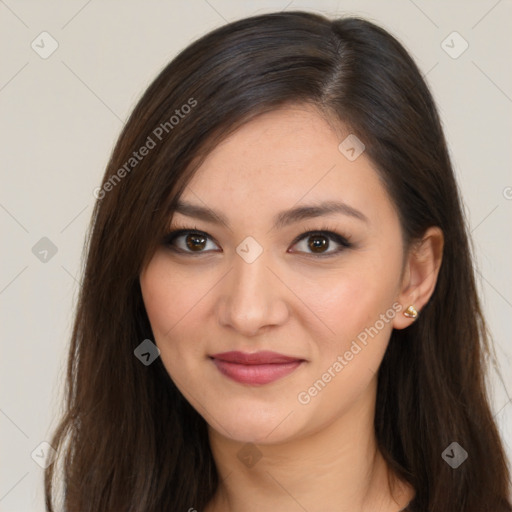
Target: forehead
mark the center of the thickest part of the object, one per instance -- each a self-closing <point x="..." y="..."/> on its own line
<point x="280" y="144"/>
<point x="281" y="159"/>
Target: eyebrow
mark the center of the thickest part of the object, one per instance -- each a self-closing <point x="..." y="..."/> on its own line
<point x="281" y="220"/>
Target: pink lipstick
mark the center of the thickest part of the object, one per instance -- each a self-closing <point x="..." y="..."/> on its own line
<point x="255" y="368"/>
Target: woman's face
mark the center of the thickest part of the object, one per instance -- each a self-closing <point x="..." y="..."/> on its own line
<point x="252" y="283"/>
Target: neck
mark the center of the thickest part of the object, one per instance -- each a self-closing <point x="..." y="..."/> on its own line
<point x="339" y="467"/>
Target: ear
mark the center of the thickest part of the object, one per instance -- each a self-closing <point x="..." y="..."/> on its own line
<point x="420" y="274"/>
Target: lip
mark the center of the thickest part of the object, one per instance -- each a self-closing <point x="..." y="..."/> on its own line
<point x="255" y="368"/>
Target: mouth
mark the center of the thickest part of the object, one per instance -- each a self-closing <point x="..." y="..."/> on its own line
<point x="255" y="368"/>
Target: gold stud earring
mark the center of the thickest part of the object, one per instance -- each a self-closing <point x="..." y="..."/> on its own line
<point x="411" y="312"/>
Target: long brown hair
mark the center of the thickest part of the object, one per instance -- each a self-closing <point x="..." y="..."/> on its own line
<point x="128" y="440"/>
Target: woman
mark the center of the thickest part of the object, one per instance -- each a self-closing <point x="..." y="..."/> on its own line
<point x="278" y="310"/>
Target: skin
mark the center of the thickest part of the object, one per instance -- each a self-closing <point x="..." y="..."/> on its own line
<point x="320" y="455"/>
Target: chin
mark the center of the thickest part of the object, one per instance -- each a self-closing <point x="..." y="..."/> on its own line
<point x="256" y="424"/>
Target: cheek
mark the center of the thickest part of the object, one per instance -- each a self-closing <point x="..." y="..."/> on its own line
<point x="172" y="301"/>
<point x="355" y="299"/>
<point x="358" y="307"/>
<point x="160" y="298"/>
<point x="356" y="302"/>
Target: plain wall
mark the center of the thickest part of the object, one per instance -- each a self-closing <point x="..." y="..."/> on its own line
<point x="61" y="115"/>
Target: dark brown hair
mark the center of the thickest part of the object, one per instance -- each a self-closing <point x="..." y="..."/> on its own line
<point x="128" y="440"/>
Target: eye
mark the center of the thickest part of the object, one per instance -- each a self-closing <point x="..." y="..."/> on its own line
<point x="318" y="243"/>
<point x="313" y="243"/>
<point x="188" y="241"/>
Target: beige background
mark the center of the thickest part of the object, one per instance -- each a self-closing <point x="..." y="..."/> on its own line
<point x="60" y="117"/>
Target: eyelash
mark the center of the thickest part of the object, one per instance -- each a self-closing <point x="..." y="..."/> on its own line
<point x="326" y="231"/>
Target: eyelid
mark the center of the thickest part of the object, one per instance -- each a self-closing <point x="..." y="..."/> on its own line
<point x="329" y="232"/>
<point x="325" y="229"/>
<point x="178" y="231"/>
<point x="332" y="233"/>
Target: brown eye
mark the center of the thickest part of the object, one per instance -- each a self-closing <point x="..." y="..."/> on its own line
<point x="195" y="242"/>
<point x="318" y="243"/>
<point x="321" y="243"/>
<point x="189" y="241"/>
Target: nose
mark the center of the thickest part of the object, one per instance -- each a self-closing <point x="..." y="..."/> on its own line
<point x="252" y="298"/>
